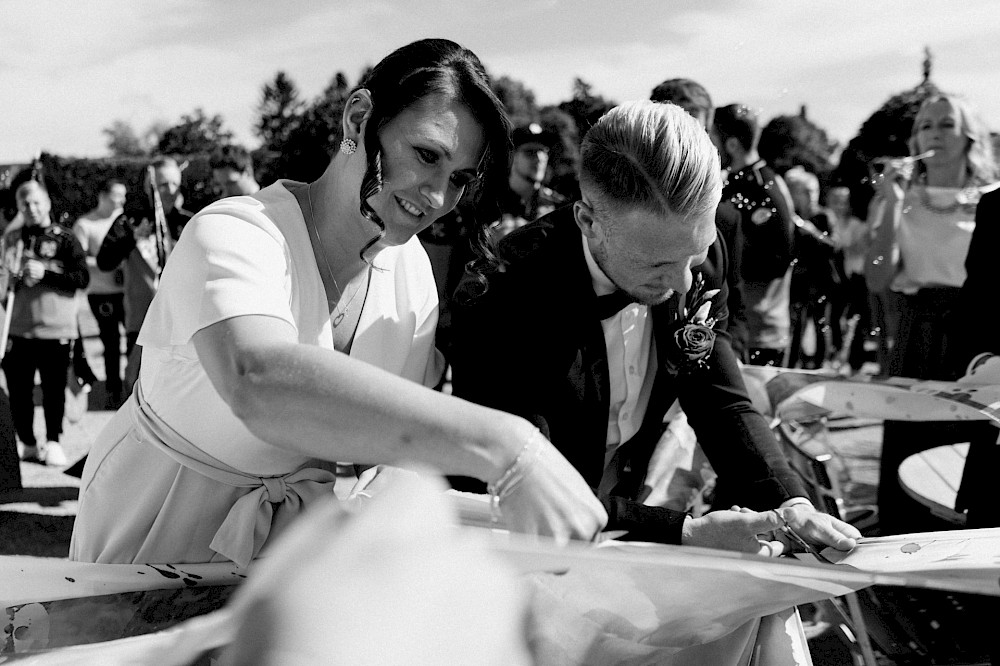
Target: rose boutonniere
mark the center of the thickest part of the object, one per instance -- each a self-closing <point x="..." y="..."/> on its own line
<point x="693" y="336"/>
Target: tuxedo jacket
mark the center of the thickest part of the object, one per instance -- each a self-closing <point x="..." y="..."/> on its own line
<point x="528" y="340"/>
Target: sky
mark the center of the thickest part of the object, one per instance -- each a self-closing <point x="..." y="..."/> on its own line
<point x="70" y="69"/>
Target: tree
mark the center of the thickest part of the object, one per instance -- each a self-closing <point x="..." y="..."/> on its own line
<point x="123" y="140"/>
<point x="280" y="110"/>
<point x="789" y="141"/>
<point x="322" y="119"/>
<point x="585" y="107"/>
<point x="517" y="99"/>
<point x="306" y="149"/>
<point x="196" y="133"/>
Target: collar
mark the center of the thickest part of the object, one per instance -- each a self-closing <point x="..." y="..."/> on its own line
<point x="601" y="283"/>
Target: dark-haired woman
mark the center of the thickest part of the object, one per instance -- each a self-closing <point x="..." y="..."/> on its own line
<point x="295" y="326"/>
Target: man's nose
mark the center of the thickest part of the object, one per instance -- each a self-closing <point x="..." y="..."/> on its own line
<point x="681" y="280"/>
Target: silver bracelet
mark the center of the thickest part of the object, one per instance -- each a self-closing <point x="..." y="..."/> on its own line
<point x="513" y="475"/>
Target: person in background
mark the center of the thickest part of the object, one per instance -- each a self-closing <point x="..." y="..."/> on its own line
<point x="816" y="275"/>
<point x="693" y="98"/>
<point x="767" y="221"/>
<point x="131" y="246"/>
<point x="53" y="266"/>
<point x="10" y="466"/>
<point x="105" y="292"/>
<point x="924" y="217"/>
<point x="448" y="241"/>
<point x="312" y="343"/>
<point x="232" y="172"/>
<point x="527" y="197"/>
<point x="850" y="235"/>
<point x="612" y="308"/>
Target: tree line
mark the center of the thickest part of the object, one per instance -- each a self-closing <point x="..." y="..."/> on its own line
<point x="298" y="135"/>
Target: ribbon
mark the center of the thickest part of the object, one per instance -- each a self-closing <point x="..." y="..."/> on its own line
<point x="248" y="523"/>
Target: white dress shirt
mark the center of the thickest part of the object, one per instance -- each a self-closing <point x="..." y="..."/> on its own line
<point x="628" y="339"/>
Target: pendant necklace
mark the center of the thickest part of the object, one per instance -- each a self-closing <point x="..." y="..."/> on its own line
<point x="339" y="313"/>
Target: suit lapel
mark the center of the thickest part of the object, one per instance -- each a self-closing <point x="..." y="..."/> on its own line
<point x="587" y="371"/>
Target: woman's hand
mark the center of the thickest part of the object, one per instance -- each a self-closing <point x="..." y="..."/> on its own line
<point x="552" y="499"/>
<point x="895" y="172"/>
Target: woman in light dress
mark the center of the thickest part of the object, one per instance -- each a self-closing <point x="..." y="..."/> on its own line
<point x="294" y="327"/>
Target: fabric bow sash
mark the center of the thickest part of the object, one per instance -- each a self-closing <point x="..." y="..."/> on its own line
<point x="249" y="521"/>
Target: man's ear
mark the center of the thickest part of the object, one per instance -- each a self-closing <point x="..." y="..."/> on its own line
<point x="356" y="114"/>
<point x="589" y="225"/>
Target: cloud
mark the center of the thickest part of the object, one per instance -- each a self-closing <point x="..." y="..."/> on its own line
<point x="78" y="66"/>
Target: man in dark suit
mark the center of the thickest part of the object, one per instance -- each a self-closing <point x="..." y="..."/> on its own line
<point x="531" y="337"/>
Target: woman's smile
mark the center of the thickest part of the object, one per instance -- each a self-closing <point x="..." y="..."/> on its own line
<point x="410" y="208"/>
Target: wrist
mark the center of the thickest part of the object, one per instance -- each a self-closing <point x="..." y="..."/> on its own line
<point x="516" y="472"/>
<point x="687" y="529"/>
<point x="505" y="439"/>
<point x="797" y="501"/>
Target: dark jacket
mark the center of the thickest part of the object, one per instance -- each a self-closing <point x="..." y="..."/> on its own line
<point x="139" y="265"/>
<point x="970" y="331"/>
<point x="532" y="344"/>
<point x="768" y="229"/>
<point x="47" y="309"/>
<point x="727" y="221"/>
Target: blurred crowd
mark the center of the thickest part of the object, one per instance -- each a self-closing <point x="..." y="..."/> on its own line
<point x="106" y="261"/>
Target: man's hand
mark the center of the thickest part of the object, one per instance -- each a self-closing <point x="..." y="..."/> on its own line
<point x="32" y="272"/>
<point x="734" y="530"/>
<point x="820" y="529"/>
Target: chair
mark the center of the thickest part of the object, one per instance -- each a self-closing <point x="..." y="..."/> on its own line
<point x="908" y="626"/>
<point x="811" y="457"/>
<point x="811" y="460"/>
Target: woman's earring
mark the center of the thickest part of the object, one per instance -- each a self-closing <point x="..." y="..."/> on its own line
<point x="348" y="146"/>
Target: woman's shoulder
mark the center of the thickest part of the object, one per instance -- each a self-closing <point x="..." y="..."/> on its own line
<point x="273" y="209"/>
<point x="409" y="259"/>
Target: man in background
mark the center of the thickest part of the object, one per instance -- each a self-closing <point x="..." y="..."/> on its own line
<point x="105" y="293"/>
<point x="766" y="220"/>
<point x="232" y="172"/>
<point x="49" y="266"/>
<point x="527" y="197"/>
<point x="132" y="246"/>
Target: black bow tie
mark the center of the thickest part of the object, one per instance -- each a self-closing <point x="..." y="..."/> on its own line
<point x="611" y="304"/>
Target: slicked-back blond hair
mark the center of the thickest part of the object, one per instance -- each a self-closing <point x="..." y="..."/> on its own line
<point x="653" y="156"/>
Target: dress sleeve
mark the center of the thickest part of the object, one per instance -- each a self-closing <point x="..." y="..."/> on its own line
<point x="223" y="266"/>
<point x="424" y="363"/>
